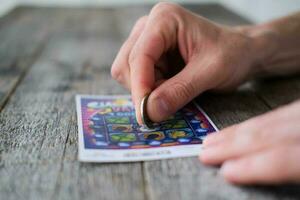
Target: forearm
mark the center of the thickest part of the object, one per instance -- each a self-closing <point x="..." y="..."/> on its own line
<point x="278" y="45"/>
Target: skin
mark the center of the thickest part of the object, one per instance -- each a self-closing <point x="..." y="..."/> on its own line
<point x="176" y="55"/>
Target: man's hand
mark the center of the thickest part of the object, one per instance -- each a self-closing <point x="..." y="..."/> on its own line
<point x="175" y="55"/>
<point x="212" y="57"/>
<point x="265" y="149"/>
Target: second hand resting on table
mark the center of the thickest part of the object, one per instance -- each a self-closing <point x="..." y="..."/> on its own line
<point x="176" y="55"/>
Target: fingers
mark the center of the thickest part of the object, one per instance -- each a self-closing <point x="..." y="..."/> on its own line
<point x="120" y="70"/>
<point x="231" y="143"/>
<point x="266" y="131"/>
<point x="135" y="64"/>
<point x="158" y="36"/>
<point x="277" y="165"/>
<point x="261" y="150"/>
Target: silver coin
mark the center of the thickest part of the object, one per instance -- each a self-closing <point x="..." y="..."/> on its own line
<point x="145" y="118"/>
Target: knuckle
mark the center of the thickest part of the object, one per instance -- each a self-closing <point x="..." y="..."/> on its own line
<point x="141" y="21"/>
<point x="115" y="72"/>
<point x="245" y="136"/>
<point x="183" y="89"/>
<point x="278" y="158"/>
<point x="165" y="8"/>
<point x="180" y="90"/>
<point x="138" y="27"/>
<point x="131" y="58"/>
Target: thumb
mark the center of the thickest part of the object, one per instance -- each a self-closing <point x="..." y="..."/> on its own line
<point x="176" y="92"/>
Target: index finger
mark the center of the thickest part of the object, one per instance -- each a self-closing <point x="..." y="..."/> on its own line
<point x="148" y="49"/>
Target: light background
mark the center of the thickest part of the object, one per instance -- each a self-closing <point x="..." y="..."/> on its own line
<point x="255" y="10"/>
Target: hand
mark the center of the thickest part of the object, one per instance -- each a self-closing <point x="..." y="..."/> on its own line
<point x="176" y="55"/>
<point x="265" y="149"/>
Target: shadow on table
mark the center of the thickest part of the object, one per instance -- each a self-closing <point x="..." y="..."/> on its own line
<point x="287" y="191"/>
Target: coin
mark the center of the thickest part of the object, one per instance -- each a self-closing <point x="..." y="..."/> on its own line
<point x="145" y="118"/>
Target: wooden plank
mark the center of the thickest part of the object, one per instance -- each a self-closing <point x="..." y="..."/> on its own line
<point x="23" y="36"/>
<point x="278" y="91"/>
<point x="16" y="47"/>
<point x="38" y="128"/>
<point x="108" y="181"/>
<point x="38" y="143"/>
<point x="24" y="33"/>
<point x="9" y="17"/>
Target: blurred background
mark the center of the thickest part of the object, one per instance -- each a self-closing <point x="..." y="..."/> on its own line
<point x="255" y="10"/>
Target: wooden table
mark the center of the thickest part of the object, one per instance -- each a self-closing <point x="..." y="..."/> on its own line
<point x="47" y="55"/>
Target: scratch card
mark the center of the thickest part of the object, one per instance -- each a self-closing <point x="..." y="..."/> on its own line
<point x="108" y="131"/>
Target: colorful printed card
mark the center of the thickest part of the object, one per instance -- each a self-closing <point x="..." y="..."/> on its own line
<point x="108" y="131"/>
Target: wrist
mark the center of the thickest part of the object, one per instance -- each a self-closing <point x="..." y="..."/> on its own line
<point x="265" y="44"/>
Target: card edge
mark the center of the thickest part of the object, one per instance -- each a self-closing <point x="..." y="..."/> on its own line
<point x="206" y="115"/>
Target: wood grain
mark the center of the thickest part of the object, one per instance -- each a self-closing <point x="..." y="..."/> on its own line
<point x="50" y="54"/>
<point x="23" y="35"/>
<point x="39" y="136"/>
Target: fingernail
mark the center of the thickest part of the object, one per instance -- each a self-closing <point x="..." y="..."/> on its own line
<point x="138" y="118"/>
<point x="228" y="168"/>
<point x="207" y="154"/>
<point x="209" y="141"/>
<point x="162" y="107"/>
<point x="206" y="142"/>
